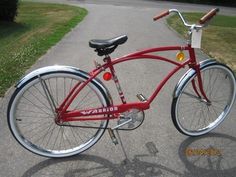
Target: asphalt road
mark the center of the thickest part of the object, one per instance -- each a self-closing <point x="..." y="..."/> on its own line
<point x="154" y="149"/>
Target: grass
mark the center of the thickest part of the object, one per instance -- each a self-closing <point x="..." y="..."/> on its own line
<point x="37" y="27"/>
<point x="219" y="38"/>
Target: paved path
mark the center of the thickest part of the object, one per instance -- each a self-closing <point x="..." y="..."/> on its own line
<point x="156" y="148"/>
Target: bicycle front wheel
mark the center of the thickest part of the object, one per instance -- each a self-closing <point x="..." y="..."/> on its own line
<point x="31" y="117"/>
<point x="193" y="115"/>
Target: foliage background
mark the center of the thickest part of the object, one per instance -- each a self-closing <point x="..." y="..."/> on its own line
<point x="231" y="3"/>
<point x="8" y="10"/>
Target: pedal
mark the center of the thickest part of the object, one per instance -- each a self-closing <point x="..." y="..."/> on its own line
<point x="113" y="137"/>
<point x="141" y="97"/>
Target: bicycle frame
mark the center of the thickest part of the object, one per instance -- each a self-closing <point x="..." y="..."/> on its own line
<point x="114" y="110"/>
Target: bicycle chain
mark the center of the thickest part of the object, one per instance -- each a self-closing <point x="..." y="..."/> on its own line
<point x="80" y="126"/>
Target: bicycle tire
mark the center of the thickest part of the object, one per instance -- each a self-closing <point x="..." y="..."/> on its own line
<point x="32" y="122"/>
<point x="188" y="108"/>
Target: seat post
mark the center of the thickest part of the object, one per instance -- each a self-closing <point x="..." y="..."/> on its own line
<point x="115" y="78"/>
<point x="107" y="58"/>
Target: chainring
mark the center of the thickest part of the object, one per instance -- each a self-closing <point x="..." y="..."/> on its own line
<point x="135" y="116"/>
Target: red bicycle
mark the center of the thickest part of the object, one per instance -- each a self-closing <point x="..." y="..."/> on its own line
<point x="60" y="111"/>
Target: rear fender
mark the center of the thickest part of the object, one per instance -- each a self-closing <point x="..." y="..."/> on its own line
<point x="67" y="69"/>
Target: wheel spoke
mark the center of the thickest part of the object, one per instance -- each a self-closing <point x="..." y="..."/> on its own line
<point x="32" y="115"/>
<point x="194" y="116"/>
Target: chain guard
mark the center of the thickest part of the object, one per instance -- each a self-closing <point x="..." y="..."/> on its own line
<point x="135" y="116"/>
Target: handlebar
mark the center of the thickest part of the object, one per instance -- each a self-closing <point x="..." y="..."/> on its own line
<point x="202" y="21"/>
<point x="209" y="16"/>
<point x="163" y="14"/>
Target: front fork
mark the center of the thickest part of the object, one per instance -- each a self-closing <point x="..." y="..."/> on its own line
<point x="196" y="66"/>
<point x="202" y="94"/>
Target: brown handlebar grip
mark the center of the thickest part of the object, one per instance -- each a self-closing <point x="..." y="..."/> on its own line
<point x="165" y="13"/>
<point x="209" y="15"/>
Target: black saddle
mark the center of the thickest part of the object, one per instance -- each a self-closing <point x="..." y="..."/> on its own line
<point x="107" y="46"/>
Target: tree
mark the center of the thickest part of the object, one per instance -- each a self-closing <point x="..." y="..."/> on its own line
<point x="231" y="3"/>
<point x="8" y="10"/>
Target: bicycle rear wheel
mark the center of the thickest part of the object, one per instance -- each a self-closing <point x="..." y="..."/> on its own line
<point x="32" y="120"/>
<point x="191" y="114"/>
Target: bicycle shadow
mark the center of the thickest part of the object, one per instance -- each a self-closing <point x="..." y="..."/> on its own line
<point x="210" y="155"/>
<point x="221" y="164"/>
<point x="91" y="165"/>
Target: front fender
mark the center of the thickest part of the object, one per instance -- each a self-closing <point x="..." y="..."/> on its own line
<point x="190" y="73"/>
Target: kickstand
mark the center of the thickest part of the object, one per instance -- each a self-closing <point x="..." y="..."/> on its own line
<point x="122" y="147"/>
